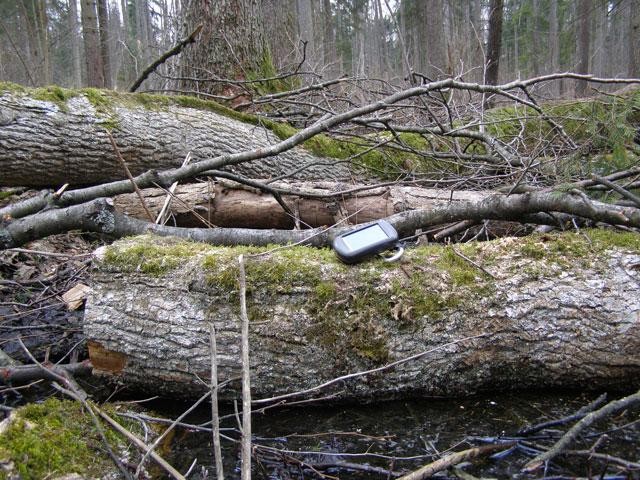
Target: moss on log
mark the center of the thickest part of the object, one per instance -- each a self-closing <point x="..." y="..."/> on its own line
<point x="543" y="311"/>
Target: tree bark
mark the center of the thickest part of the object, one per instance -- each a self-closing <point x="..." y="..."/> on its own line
<point x="74" y="34"/>
<point x="634" y="39"/>
<point x="48" y="144"/>
<point x="554" y="45"/>
<point x="551" y="315"/>
<point x="494" y="43"/>
<point x="435" y="63"/>
<point x="105" y="54"/>
<point x="231" y="44"/>
<point x="90" y="35"/>
<point x="583" y="40"/>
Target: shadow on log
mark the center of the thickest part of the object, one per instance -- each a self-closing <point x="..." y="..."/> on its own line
<point x="550" y="311"/>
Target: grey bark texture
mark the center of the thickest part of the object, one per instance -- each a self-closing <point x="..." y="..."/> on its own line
<point x="494" y="41"/>
<point x="90" y="34"/>
<point x="583" y="35"/>
<point x="557" y="311"/>
<point x="231" y="45"/>
<point x="47" y="143"/>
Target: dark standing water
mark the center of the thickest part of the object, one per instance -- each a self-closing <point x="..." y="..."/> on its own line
<point x="405" y="435"/>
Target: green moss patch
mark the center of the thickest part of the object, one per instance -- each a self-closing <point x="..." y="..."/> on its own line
<point x="282" y="270"/>
<point x="576" y="247"/>
<point x="54" y="438"/>
<point x="150" y="255"/>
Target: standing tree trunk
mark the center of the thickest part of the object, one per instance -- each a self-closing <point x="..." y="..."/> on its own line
<point x="554" y="44"/>
<point x="535" y="37"/>
<point x="42" y="21"/>
<point x="434" y="47"/>
<point x="95" y="74"/>
<point x="143" y="30"/>
<point x="35" y="21"/>
<point x="306" y="32"/>
<point x="231" y="44"/>
<point x="329" y="39"/>
<point x="634" y="40"/>
<point x="583" y="37"/>
<point x="601" y="17"/>
<point x="74" y="30"/>
<point x="103" y="18"/>
<point x="495" y="41"/>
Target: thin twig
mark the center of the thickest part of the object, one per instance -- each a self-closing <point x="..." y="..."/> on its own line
<point x="49" y="254"/>
<point x="160" y="219"/>
<point x="453" y="459"/>
<point x="164" y="57"/>
<point x="246" y="379"/>
<point x="150" y="449"/>
<point x="475" y="264"/>
<point x="215" y="416"/>
<point x="622" y="191"/>
<point x="562" y="421"/>
<point x="73" y="390"/>
<point x="141" y="445"/>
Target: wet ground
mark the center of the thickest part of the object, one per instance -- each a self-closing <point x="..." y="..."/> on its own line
<point x="402" y="436"/>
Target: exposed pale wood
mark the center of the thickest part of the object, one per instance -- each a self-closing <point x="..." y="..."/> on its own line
<point x="233" y="206"/>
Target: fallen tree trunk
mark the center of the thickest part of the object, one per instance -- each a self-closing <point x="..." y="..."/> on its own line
<point x="228" y="204"/>
<point x="52" y="137"/>
<point x="542" y="311"/>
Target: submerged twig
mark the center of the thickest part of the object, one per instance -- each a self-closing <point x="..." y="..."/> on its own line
<point x="562" y="444"/>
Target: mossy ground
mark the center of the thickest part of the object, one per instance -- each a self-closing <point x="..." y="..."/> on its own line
<point x="54" y="438"/>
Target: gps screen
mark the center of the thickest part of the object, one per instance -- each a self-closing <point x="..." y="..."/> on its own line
<point x="365" y="237"/>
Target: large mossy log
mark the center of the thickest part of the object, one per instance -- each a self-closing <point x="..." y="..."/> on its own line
<point x="546" y="311"/>
<point x="54" y="136"/>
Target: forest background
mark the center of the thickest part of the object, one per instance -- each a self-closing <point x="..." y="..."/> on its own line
<point x="107" y="43"/>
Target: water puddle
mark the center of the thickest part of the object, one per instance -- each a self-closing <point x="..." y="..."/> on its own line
<point x="359" y="442"/>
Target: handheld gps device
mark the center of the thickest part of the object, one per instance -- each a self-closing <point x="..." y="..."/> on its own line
<point x="363" y="242"/>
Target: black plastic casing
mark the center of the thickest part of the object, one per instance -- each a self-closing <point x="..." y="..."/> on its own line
<point x="363" y="242"/>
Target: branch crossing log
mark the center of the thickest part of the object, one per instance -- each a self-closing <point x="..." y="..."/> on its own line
<point x="562" y="311"/>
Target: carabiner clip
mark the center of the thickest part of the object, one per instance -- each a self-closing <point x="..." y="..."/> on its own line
<point x="396" y="256"/>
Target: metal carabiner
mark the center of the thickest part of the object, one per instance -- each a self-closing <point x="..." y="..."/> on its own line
<point x="396" y="256"/>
